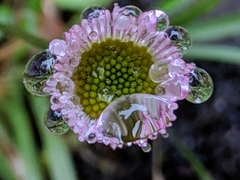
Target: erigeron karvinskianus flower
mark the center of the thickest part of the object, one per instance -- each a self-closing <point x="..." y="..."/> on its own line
<point x="115" y="77"/>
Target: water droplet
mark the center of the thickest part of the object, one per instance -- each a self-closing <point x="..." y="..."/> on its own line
<point x="131" y="10"/>
<point x="165" y="135"/>
<point x="180" y="38"/>
<point x="75" y="100"/>
<point x="122" y="22"/>
<point x="201" y="85"/>
<point x="147" y="148"/>
<point x="136" y="69"/>
<point x="38" y="69"/>
<point x="159" y="90"/>
<point x="125" y="117"/>
<point x="162" y="20"/>
<point x="54" y="122"/>
<point x="92" y="12"/>
<point x="157" y="72"/>
<point x="99" y="72"/>
<point x="93" y="36"/>
<point x="106" y="94"/>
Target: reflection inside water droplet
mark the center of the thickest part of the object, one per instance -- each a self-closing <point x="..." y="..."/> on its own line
<point x="162" y="20"/>
<point x="92" y="12"/>
<point x="125" y="118"/>
<point x="54" y="122"/>
<point x="201" y="85"/>
<point x="38" y="69"/>
<point x="131" y="10"/>
<point x="180" y="38"/>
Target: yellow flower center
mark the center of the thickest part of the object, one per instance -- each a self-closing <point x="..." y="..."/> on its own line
<point x="109" y="70"/>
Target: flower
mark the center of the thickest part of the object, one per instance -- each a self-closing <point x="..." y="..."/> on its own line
<point x="116" y="77"/>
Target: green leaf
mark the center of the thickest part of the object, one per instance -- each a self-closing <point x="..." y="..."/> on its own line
<point x="219" y="53"/>
<point x="216" y="28"/>
<point x="79" y="5"/>
<point x="173" y="6"/>
<point x="193" y="10"/>
<point x="193" y="160"/>
<point x="183" y="11"/>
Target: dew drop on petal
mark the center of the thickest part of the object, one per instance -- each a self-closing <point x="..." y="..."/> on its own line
<point x="165" y="135"/>
<point x="106" y="94"/>
<point x="157" y="72"/>
<point x="38" y="69"/>
<point x="159" y="90"/>
<point x="162" y="20"/>
<point x="132" y="10"/>
<point x="93" y="36"/>
<point x="54" y="122"/>
<point x="122" y="22"/>
<point x="92" y="12"/>
<point x="180" y="38"/>
<point x="147" y="148"/>
<point x="201" y="86"/>
<point x="99" y="72"/>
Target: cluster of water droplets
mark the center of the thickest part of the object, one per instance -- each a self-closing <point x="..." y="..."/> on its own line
<point x="37" y="71"/>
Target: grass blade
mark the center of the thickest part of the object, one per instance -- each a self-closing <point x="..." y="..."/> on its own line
<point x="218" y="53"/>
<point x="193" y="160"/>
<point x="23" y="134"/>
<point x="216" y="29"/>
<point x="58" y="156"/>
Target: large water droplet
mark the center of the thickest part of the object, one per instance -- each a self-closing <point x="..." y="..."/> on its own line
<point x="180" y="38"/>
<point x="131" y="10"/>
<point x="201" y="85"/>
<point x="157" y="72"/>
<point x="54" y="122"/>
<point x="162" y="20"/>
<point x="147" y="148"/>
<point x="92" y="12"/>
<point x="126" y="117"/>
<point x="37" y="71"/>
<point x="106" y="94"/>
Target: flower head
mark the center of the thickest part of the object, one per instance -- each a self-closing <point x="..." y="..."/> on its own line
<point x="116" y="77"/>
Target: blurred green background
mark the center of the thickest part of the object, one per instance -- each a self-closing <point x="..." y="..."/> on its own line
<point x="29" y="152"/>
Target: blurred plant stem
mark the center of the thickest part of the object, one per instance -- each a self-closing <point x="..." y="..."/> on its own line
<point x="14" y="31"/>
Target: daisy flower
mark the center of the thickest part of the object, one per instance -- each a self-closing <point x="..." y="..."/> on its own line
<point x="115" y="78"/>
